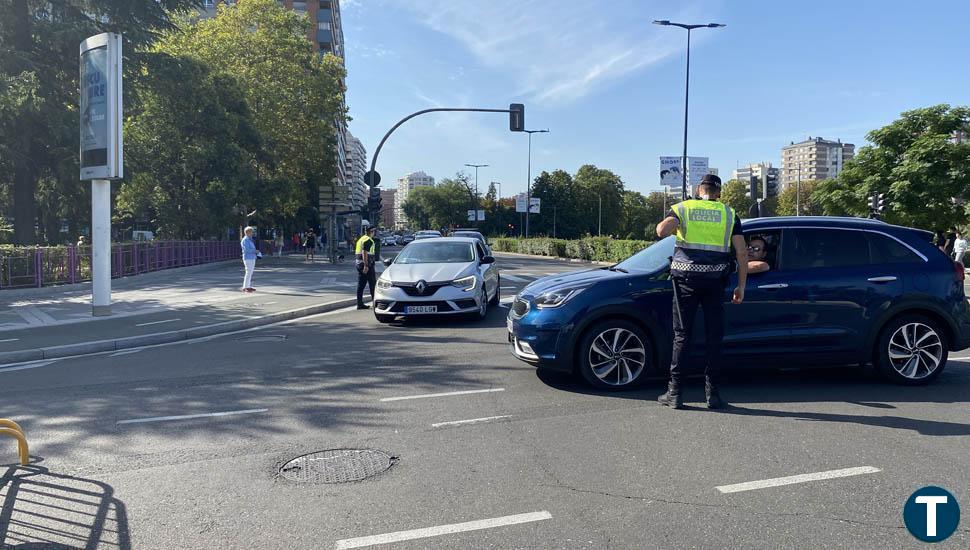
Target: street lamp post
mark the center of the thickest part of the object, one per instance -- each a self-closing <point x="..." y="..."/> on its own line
<point x="798" y="191"/>
<point x="664" y="22"/>
<point x="475" y="203"/>
<point x="528" y="181"/>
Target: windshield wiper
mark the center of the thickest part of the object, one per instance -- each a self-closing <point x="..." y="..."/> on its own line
<point x="620" y="269"/>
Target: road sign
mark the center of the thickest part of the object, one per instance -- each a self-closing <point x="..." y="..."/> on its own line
<point x="372" y="178"/>
<point x="534" y="205"/>
<point x="481" y="215"/>
<point x="471" y="215"/>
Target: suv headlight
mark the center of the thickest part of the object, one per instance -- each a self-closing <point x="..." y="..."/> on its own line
<point x="465" y="283"/>
<point x="557" y="298"/>
<point x="384" y="284"/>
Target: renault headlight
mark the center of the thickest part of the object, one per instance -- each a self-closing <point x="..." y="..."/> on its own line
<point x="556" y="298"/>
<point x="384" y="284"/>
<point x="465" y="283"/>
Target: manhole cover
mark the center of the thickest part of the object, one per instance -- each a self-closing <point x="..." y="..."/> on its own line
<point x="263" y="338"/>
<point x="337" y="466"/>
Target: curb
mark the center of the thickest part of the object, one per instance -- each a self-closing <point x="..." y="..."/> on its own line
<point x="571" y="260"/>
<point x="129" y="342"/>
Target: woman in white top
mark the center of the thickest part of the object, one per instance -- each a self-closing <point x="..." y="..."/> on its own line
<point x="959" y="248"/>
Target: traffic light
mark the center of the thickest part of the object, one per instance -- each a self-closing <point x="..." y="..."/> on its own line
<point x="877" y="205"/>
<point x="374" y="202"/>
<point x="881" y="203"/>
<point x="516" y="117"/>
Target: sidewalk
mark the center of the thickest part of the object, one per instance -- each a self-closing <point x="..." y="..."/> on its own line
<point x="169" y="305"/>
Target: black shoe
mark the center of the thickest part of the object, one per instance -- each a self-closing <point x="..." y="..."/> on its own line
<point x="672" y="398"/>
<point x="712" y="396"/>
<point x="363" y="306"/>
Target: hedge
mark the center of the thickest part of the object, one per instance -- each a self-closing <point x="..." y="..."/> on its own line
<point x="597" y="249"/>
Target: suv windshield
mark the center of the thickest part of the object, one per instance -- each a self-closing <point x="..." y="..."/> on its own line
<point x="469" y="234"/>
<point x="436" y="253"/>
<point x="652" y="258"/>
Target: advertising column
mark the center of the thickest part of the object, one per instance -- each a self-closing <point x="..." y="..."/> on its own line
<point x="101" y="151"/>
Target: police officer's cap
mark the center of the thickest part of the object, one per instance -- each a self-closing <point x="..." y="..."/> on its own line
<point x="711" y="179"/>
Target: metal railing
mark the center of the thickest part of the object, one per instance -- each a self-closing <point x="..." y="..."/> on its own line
<point x="25" y="267"/>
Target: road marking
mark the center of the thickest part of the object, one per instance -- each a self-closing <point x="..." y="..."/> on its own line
<point x="126" y="352"/>
<point x="514" y="279"/>
<point x="10" y="340"/>
<point x="447" y="394"/>
<point x="472" y="421"/>
<point x="188" y="416"/>
<point x="508" y="288"/>
<point x="32" y="365"/>
<point x="427" y="532"/>
<point x="802" y="478"/>
<point x="157" y="322"/>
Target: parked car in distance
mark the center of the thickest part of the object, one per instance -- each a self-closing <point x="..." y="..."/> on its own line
<point x="438" y="276"/>
<point x="840" y="291"/>
<point x="405" y="239"/>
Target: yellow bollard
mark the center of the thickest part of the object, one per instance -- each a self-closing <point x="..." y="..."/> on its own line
<point x="11" y="428"/>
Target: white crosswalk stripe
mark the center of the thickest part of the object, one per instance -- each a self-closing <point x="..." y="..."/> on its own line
<point x="514" y="279"/>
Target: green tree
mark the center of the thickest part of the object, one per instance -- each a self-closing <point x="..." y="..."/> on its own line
<point x="808" y="203"/>
<point x="598" y="195"/>
<point x="916" y="162"/>
<point x="444" y="205"/>
<point x="39" y="40"/>
<point x="295" y="95"/>
<point x="558" y="213"/>
<point x="736" y="194"/>
<point x="190" y="151"/>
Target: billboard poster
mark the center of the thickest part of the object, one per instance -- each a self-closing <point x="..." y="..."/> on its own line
<point x="670" y="171"/>
<point x="94" y="107"/>
<point x="520" y="202"/>
<point x="698" y="168"/>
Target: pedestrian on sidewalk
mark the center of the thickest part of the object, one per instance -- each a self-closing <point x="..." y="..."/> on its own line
<point x="366" y="275"/>
<point x="249" y="255"/>
<point x="279" y="244"/>
<point x="959" y="248"/>
<point x="309" y="244"/>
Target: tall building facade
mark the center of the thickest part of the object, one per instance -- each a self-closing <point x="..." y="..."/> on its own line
<point x="813" y="159"/>
<point x="766" y="176"/>
<point x="388" y="205"/>
<point x="406" y="184"/>
<point x="356" y="168"/>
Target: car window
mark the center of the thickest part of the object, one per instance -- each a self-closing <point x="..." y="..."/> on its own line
<point x="481" y="250"/>
<point x="811" y="248"/>
<point x="434" y="252"/>
<point x="886" y="250"/>
<point x="652" y="258"/>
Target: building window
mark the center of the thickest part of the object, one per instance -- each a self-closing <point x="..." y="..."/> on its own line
<point x="299" y="6"/>
<point x="324" y="25"/>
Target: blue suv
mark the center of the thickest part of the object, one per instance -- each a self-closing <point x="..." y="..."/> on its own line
<point x="839" y="291"/>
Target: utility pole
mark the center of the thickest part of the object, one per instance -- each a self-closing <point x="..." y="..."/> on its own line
<point x="689" y="28"/>
<point x="475" y="203"/>
<point x="599" y="231"/>
<point x="798" y="191"/>
<point x="528" y="181"/>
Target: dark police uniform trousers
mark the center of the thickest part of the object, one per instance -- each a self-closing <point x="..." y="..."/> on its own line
<point x="704" y="290"/>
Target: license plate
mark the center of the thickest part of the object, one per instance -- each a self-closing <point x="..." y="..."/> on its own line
<point x="421" y="309"/>
<point x="508" y="324"/>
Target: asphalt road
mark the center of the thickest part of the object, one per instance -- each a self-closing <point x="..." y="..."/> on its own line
<point x="549" y="462"/>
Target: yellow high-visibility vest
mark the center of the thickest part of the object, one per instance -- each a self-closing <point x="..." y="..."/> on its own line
<point x="704" y="225"/>
<point x="364" y="242"/>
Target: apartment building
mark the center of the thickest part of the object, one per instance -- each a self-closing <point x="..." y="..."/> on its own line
<point x="813" y="159"/>
<point x="388" y="207"/>
<point x="406" y="184"/>
<point x="763" y="173"/>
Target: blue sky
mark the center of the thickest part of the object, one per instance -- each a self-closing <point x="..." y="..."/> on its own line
<point x="609" y="85"/>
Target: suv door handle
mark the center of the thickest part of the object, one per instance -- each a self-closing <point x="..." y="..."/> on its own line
<point x="884" y="279"/>
<point x="774" y="286"/>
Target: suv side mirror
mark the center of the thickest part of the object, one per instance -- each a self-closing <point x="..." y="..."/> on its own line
<point x="387" y="262"/>
<point x="488" y="260"/>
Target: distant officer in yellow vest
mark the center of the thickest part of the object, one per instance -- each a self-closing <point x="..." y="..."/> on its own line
<point x="706" y="231"/>
<point x="365" y="259"/>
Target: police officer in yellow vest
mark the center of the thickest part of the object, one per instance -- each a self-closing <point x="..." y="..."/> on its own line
<point x="365" y="259"/>
<point x="706" y="231"/>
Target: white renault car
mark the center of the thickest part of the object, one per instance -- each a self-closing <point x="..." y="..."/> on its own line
<point x="447" y="275"/>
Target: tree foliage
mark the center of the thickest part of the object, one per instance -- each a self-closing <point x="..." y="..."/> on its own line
<point x="807" y="199"/>
<point x="917" y="163"/>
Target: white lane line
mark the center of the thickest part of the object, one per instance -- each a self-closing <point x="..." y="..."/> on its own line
<point x="802" y="478"/>
<point x="472" y="421"/>
<point x="9" y="340"/>
<point x="188" y="416"/>
<point x="25" y="366"/>
<point x="126" y="352"/>
<point x="427" y="532"/>
<point x="508" y="288"/>
<point x="514" y="279"/>
<point x="447" y="394"/>
<point x="157" y="322"/>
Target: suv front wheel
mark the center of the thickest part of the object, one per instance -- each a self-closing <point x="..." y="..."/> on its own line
<point x="614" y="355"/>
<point x="911" y="350"/>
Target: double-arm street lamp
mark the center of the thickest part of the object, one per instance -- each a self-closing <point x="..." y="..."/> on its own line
<point x="528" y="182"/>
<point x="666" y="23"/>
<point x="475" y="204"/>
